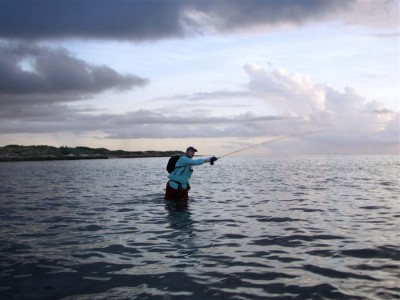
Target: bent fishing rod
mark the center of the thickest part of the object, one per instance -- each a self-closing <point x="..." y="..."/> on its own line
<point x="270" y="141"/>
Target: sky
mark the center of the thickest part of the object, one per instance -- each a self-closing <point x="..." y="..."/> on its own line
<point x="287" y="76"/>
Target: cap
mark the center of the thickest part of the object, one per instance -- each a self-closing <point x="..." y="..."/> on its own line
<point x="191" y="148"/>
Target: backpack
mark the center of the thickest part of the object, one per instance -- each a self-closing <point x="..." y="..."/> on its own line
<point x="171" y="163"/>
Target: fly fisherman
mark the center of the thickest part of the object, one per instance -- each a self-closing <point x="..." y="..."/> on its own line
<point x="178" y="185"/>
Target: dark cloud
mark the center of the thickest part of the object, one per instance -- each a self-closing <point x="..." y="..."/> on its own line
<point x="33" y="119"/>
<point x="142" y="123"/>
<point x="115" y="19"/>
<point x="151" y="117"/>
<point x="151" y="19"/>
<point x="229" y="15"/>
<point x="26" y="109"/>
<point x="31" y="69"/>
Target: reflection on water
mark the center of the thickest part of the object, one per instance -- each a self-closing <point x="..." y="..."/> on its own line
<point x="310" y="227"/>
<point x="177" y="206"/>
<point x="180" y="221"/>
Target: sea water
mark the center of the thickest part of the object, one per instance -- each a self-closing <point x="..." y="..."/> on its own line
<point x="289" y="227"/>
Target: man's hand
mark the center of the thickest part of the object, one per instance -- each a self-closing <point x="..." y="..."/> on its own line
<point x="212" y="159"/>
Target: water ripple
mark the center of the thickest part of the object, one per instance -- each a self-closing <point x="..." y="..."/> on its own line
<point x="308" y="228"/>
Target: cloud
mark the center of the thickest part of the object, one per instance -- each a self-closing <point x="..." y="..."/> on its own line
<point x="158" y="19"/>
<point x="203" y="96"/>
<point x="228" y="16"/>
<point x="36" y="81"/>
<point x="290" y="92"/>
<point x="103" y="19"/>
<point x="32" y="69"/>
<point x="374" y="13"/>
<point x="302" y="105"/>
<point x="41" y="86"/>
<point x="344" y="115"/>
<point x="134" y="124"/>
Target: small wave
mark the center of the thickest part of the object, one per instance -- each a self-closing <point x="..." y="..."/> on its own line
<point x="329" y="272"/>
<point x="385" y="252"/>
<point x="103" y="232"/>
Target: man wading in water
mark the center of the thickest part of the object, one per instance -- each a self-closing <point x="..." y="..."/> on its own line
<point x="178" y="185"/>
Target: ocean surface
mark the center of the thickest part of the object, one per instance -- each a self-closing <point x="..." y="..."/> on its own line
<point x="295" y="227"/>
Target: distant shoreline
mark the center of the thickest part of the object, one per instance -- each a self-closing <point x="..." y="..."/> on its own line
<point x="12" y="159"/>
<point x="14" y="153"/>
<point x="44" y="158"/>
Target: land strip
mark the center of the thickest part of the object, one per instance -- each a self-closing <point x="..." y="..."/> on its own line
<point x="42" y="152"/>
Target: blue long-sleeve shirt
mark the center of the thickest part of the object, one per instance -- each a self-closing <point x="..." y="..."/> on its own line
<point x="183" y="171"/>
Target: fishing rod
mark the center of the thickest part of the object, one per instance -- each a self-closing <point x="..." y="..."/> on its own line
<point x="270" y="141"/>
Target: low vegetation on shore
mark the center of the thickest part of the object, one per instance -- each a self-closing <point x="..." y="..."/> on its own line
<point x="22" y="153"/>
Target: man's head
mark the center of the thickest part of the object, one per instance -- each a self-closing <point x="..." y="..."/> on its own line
<point x="190" y="151"/>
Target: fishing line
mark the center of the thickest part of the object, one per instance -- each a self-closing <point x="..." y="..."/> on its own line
<point x="271" y="141"/>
